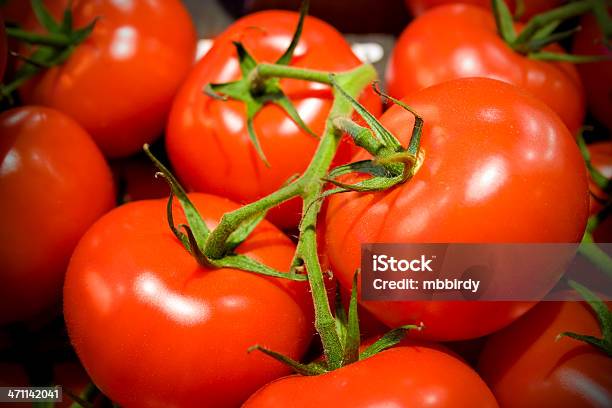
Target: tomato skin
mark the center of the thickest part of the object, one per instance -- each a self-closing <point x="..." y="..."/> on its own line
<point x="135" y="178"/>
<point x="204" y="130"/>
<point x="596" y="76"/>
<point x="458" y="41"/>
<point x="488" y="175"/>
<point x="527" y="367"/>
<point x="55" y="184"/>
<point x="532" y="7"/>
<point x="119" y="84"/>
<point x="3" y="49"/>
<point x="152" y="328"/>
<point x="601" y="158"/>
<point x="414" y="376"/>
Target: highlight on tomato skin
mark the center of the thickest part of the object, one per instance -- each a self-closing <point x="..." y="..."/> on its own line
<point x="54" y="183"/>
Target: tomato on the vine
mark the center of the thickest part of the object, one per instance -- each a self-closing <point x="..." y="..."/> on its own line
<point x="531" y="7"/>
<point x="120" y="82"/>
<point x="459" y="41"/>
<point x="412" y="376"/>
<point x="154" y="328"/>
<point x="207" y="139"/>
<point x="596" y="76"/>
<point x="54" y="184"/>
<point x="527" y="366"/>
<point x="499" y="166"/>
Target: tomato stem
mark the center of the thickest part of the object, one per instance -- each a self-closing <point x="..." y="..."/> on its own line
<point x="590" y="250"/>
<point x="265" y="71"/>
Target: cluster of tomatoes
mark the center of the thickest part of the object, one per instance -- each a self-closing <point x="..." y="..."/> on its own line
<point x="84" y="224"/>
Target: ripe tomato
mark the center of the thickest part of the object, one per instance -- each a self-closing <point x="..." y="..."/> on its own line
<point x="415" y="376"/>
<point x="153" y="328"/>
<point x="532" y="7"/>
<point x="54" y="184"/>
<point x="499" y="166"/>
<point x="458" y="41"/>
<point x="207" y="139"/>
<point x="596" y="76"/>
<point x="527" y="367"/>
<point x="601" y="158"/>
<point x="135" y="178"/>
<point x="120" y="82"/>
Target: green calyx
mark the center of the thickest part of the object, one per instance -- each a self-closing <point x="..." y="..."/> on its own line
<point x="195" y="233"/>
<point x="392" y="164"/>
<point x="52" y="48"/>
<point x="256" y="90"/>
<point x="604" y="317"/>
<point x="347" y="329"/>
<point x="541" y="30"/>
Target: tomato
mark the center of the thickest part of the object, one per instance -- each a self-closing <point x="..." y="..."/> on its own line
<point x="596" y="76"/>
<point x="15" y="11"/>
<point x="457" y="41"/>
<point x="135" y="177"/>
<point x="527" y="367"/>
<point x="153" y="328"/>
<point x="54" y="184"/>
<point x="601" y="158"/>
<point x="532" y="7"/>
<point x="120" y="82"/>
<point x="207" y="139"/>
<point x="414" y="376"/>
<point x="499" y="166"/>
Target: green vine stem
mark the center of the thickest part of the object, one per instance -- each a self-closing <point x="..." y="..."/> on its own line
<point x="309" y="187"/>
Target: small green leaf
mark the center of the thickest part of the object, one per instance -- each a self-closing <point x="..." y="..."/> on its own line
<point x="504" y="21"/>
<point x="366" y="186"/>
<point x="571" y="58"/>
<point x="341" y="318"/>
<point x="252" y="109"/>
<point x="536" y="44"/>
<point x="170" y="218"/>
<point x="195" y="221"/>
<point x="547" y="30"/>
<point x="248" y="264"/>
<point x="303" y="369"/>
<point x="389" y="340"/>
<point x="281" y="100"/>
<point x="417" y="129"/>
<point x="44" y="17"/>
<point x="379" y="130"/>
<point x="246" y="61"/>
<point x="519" y="9"/>
<point x="353" y="338"/>
<point x="600" y="180"/>
<point x="604" y="317"/>
<point x="363" y="166"/>
<point x="67" y="21"/>
<point x="285" y="59"/>
<point x="82" y="34"/>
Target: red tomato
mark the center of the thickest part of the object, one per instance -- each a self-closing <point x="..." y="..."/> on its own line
<point x="527" y="367"/>
<point x="458" y="41"/>
<point x="499" y="166"/>
<point x="15" y="11"/>
<point x="135" y="178"/>
<point x="532" y="7"/>
<point x="596" y="76"/>
<point x="120" y="82"/>
<point x="601" y="158"/>
<point x="207" y="139"/>
<point x="54" y="184"/>
<point x="152" y="328"/>
<point x="416" y="376"/>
